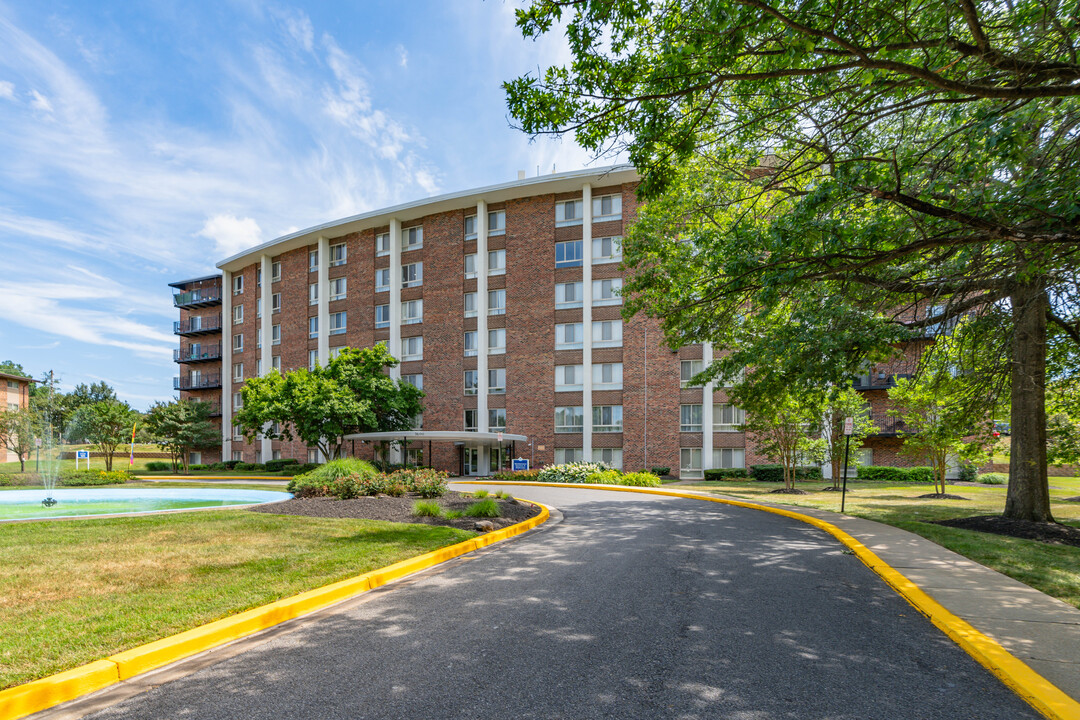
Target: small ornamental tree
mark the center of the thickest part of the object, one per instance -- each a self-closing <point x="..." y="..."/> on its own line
<point x="106" y="424"/>
<point x="17" y="433"/>
<point x="785" y="428"/>
<point x="1062" y="440"/>
<point x="844" y="403"/>
<point x="179" y="427"/>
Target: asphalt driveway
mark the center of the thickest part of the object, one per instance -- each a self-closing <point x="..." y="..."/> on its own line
<point x="632" y="606"/>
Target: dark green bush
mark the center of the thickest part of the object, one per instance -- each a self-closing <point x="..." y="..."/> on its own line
<point x="158" y="465"/>
<point x="881" y="473"/>
<point x="327" y="479"/>
<point x="725" y="473"/>
<point x="90" y="478"/>
<point x="230" y="464"/>
<point x="198" y="466"/>
<point x="661" y="471"/>
<point x="767" y="473"/>
<point x="426" y="482"/>
<point x="19" y="479"/>
<point x="966" y="473"/>
<point x="518" y="476"/>
<point x="278" y="465"/>
<point x="220" y="466"/>
<point x="298" y="469"/>
<point x="993" y="478"/>
<point x="483" y="508"/>
<point x="920" y="475"/>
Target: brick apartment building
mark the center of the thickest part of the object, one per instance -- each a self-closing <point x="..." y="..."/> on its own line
<point x="502" y="304"/>
<point x="14" y="394"/>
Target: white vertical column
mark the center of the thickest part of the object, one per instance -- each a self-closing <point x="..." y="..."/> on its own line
<point x="226" y="365"/>
<point x="482" y="318"/>
<point x="586" y="320"/>
<point x="395" y="294"/>
<point x="324" y="300"/>
<point x="267" y="351"/>
<point x="707" y="410"/>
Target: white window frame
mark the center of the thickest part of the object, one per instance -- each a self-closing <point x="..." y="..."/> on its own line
<point x="412" y="348"/>
<point x="338" y="288"/>
<point x="275" y="303"/>
<point x="313" y="261"/>
<point x="238" y="315"/>
<point x="568" y="455"/>
<point x="412" y="238"/>
<point x="578" y="375"/>
<point x="612" y="457"/>
<point x="412" y="311"/>
<point x="614" y="209"/>
<point x="414" y="379"/>
<point x="470" y="260"/>
<point x="737" y="416"/>
<point x="688" y="468"/>
<point x="496" y="262"/>
<point x="474" y="387"/>
<point x="569" y="212"/>
<point x="613" y="254"/>
<point x="560" y="336"/>
<point x="382" y="244"/>
<point x="412" y="275"/>
<point x="339" y="254"/>
<point x="275" y="334"/>
<point x="496" y="381"/>
<point x="238" y="372"/>
<point x="338" y="323"/>
<point x="735" y="458"/>
<point x="475" y="425"/>
<point x="385" y="311"/>
<point x="496" y="341"/>
<point x="470" y="232"/>
<point x="275" y="271"/>
<point x="496" y="222"/>
<point x="613" y="370"/>
<point x="497" y="302"/>
<point x="470" y="299"/>
<point x="598" y="332"/>
<point x="313" y="293"/>
<point x="313" y="326"/>
<point x="690" y="417"/>
<point x="687" y="370"/>
<point x="471" y="338"/>
<point x="238" y="285"/>
<point x="312" y="359"/>
<point x="577" y="418"/>
<point x="238" y="342"/>
<point x="561" y="300"/>
<point x="496" y="419"/>
<point x="615" y="419"/>
<point x="275" y="362"/>
<point x="384" y="275"/>
<point x="238" y="401"/>
<point x="569" y="263"/>
<point x="607" y="291"/>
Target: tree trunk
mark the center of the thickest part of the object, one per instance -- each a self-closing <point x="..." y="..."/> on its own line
<point x="1028" y="495"/>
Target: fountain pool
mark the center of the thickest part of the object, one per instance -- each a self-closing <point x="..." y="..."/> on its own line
<point x="27" y="505"/>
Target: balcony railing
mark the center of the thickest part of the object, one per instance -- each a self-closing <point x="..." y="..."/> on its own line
<point x="200" y="297"/>
<point x="198" y="325"/>
<point x="199" y="382"/>
<point x="877" y="381"/>
<point x="889" y="426"/>
<point x="197" y="353"/>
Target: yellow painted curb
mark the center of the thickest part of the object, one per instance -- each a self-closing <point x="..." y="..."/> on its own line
<point x="47" y="692"/>
<point x="1036" y="690"/>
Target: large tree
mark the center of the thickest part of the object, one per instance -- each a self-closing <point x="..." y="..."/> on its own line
<point x="17" y="433"/>
<point x="180" y="426"/>
<point x="879" y="170"/>
<point x="107" y="425"/>
<point x="352" y="394"/>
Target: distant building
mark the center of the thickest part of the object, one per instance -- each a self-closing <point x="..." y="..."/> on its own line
<point x="14" y="394"/>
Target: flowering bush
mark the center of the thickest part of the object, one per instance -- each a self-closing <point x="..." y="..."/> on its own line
<point x="426" y="482"/>
<point x="640" y="479"/>
<point x="576" y="472"/>
<point x="336" y="478"/>
<point x="518" y="475"/>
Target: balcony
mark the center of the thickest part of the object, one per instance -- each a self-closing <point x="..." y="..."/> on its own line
<point x="889" y="426"/>
<point x="199" y="298"/>
<point x="199" y="382"/>
<point x="198" y="326"/>
<point x="197" y="353"/>
<point x="877" y="381"/>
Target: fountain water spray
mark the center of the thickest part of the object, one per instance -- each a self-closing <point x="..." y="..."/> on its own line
<point x="50" y="468"/>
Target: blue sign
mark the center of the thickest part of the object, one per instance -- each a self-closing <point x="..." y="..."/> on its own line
<point x="82" y="454"/>
<point x="519" y="464"/>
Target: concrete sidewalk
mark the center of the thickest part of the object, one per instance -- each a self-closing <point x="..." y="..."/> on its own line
<point x="1042" y="631"/>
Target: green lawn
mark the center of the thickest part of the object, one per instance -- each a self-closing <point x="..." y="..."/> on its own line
<point x="1052" y="569"/>
<point x="79" y="590"/>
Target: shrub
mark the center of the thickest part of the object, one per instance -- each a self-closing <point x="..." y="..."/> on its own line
<point x="243" y="466"/>
<point x="290" y="470"/>
<point x="277" y="465"/>
<point x="198" y="467"/>
<point x="993" y="478"/>
<point x="426" y="482"/>
<point x="920" y="475"/>
<point x="453" y="514"/>
<point x="426" y="508"/>
<point x="725" y="473"/>
<point x="767" y="473"/>
<point x="322" y="480"/>
<point x="18" y="479"/>
<point x="660" y="471"/>
<point x="640" y="479"/>
<point x="230" y="464"/>
<point x="605" y="477"/>
<point x="881" y="473"/>
<point x="395" y="488"/>
<point x="483" y="508"/>
<point x="85" y="478"/>
<point x="158" y="465"/>
<point x="518" y="476"/>
<point x="481" y="494"/>
<point x="219" y="466"/>
<point x="577" y="472"/>
<point x="966" y="473"/>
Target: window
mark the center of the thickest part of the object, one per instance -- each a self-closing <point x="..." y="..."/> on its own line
<point x="275" y="362"/>
<point x="382" y="280"/>
<point x="497" y="222"/>
<point x="608" y="456"/>
<point x="258" y="277"/>
<point x="568" y="212"/>
<point x="727" y="417"/>
<point x="412" y="238"/>
<point x="606" y="250"/>
<point x="238" y="343"/>
<point x="275" y="272"/>
<point x="275" y="303"/>
<point x="729" y="458"/>
<point x="496" y="419"/>
<point x="337" y="323"/>
<point x="412" y="312"/>
<point x="607" y="376"/>
<point x="567" y="295"/>
<point x="313" y="294"/>
<point x="689" y="418"/>
<point x="470" y="227"/>
<point x="470" y="343"/>
<point x="238" y="285"/>
<point x="470" y="266"/>
<point x="470" y="304"/>
<point x="687" y="370"/>
<point x="865" y="456"/>
<point x="607" y="333"/>
<point x="335" y="351"/>
<point x="471" y="424"/>
<point x="472" y="383"/>
<point x="312" y="455"/>
<point x="237" y="401"/>
<point x="496" y="341"/>
<point x="607" y="418"/>
<point x="382" y="316"/>
<point x="607" y="207"/>
<point x="258" y="307"/>
<point x="275" y="334"/>
<point x="337" y="255"/>
<point x="569" y="377"/>
<point x="568" y="455"/>
<point x="412" y="274"/>
<point x="238" y="372"/>
<point x="690" y="462"/>
<point x="496" y="381"/>
<point x="313" y="326"/>
<point x="382" y="244"/>
<point x="731" y="380"/>
<point x="312" y="359"/>
<point x="258" y="337"/>
<point x="416" y="380"/>
<point x="607" y="292"/>
<point x="569" y="419"/>
<point x="237" y="314"/>
<point x="12" y="385"/>
<point x="313" y="260"/>
<point x="258" y="367"/>
<point x="496" y="302"/>
<point x="337" y="288"/>
<point x="412" y="348"/>
<point x="496" y="262"/>
<point x="568" y="254"/>
<point x="568" y="336"/>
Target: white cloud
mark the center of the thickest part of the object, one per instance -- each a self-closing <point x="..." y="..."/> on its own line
<point x="7" y="89"/>
<point x="40" y="102"/>
<point x="403" y="56"/>
<point x="299" y="27"/>
<point x="231" y="234"/>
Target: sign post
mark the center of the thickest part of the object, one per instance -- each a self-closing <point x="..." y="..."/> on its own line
<point x="82" y="455"/>
<point x="849" y="429"/>
<point x="520" y="464"/>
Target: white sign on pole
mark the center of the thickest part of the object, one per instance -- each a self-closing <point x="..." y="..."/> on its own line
<point x="37" y="442"/>
<point x="849" y="426"/>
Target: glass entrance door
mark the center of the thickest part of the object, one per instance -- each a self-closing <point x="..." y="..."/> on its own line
<point x="471" y="460"/>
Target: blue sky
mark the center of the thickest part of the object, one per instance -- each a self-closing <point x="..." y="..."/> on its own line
<point x="142" y="142"/>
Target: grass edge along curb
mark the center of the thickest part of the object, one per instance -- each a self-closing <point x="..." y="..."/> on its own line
<point x="47" y="692"/>
<point x="1045" y="697"/>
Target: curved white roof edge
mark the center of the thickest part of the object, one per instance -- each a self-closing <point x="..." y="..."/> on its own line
<point x="469" y="436"/>
<point x="560" y="182"/>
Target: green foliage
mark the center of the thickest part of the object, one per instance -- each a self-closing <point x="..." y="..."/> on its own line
<point x="920" y="474"/>
<point x="640" y="479"/>
<point x="453" y="514"/>
<point x="17" y="433"/>
<point x="605" y="477"/>
<point x="661" y="471"/>
<point x="90" y="478"/>
<point x="199" y="466"/>
<point x="486" y="508"/>
<point x="480" y="493"/>
<point x="993" y="478"/>
<point x="19" y="479"/>
<point x="888" y="474"/>
<point x="577" y="472"/>
<point x="181" y="426"/>
<point x="775" y="472"/>
<point x="966" y="472"/>
<point x="841" y="403"/>
<point x="426" y="482"/>
<point x="784" y="424"/>
<point x="1062" y="440"/>
<point x="320" y="481"/>
<point x="518" y="475"/>
<point x="298" y="469"/>
<point x="427" y="508"/>
<point x="158" y="466"/>
<point x="10" y="367"/>
<point x="107" y="424"/>
<point x="278" y="465"/>
<point x="726" y="473"/>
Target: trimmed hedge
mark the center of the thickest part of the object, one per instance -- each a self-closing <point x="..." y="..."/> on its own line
<point x="886" y="474"/>
<point x="90" y="478"/>
<point x="298" y="469"/>
<point x="726" y="473"/>
<point x="775" y="473"/>
<point x="993" y="478"/>
<point x="519" y="475"/>
<point x="157" y="465"/>
<point x="278" y="465"/>
<point x="660" y="471"/>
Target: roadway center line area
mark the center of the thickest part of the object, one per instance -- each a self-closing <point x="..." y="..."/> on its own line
<point x="633" y="606"/>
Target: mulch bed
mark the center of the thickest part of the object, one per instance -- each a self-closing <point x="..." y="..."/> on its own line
<point x="1050" y="533"/>
<point x="399" y="509"/>
<point x="941" y="496"/>
<point x="792" y="491"/>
